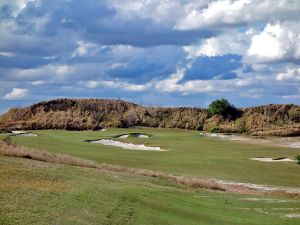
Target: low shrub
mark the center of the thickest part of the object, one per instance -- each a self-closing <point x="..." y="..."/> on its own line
<point x="214" y="129"/>
<point x="294" y="114"/>
<point x="298" y="158"/>
<point x="8" y="140"/>
<point x="241" y="126"/>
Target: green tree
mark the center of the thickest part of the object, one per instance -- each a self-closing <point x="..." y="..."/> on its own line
<point x="224" y="108"/>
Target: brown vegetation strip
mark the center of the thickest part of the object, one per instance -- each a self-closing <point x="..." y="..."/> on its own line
<point x="23" y="152"/>
<point x="184" y="180"/>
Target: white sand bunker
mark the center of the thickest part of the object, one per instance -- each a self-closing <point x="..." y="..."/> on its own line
<point x="143" y="136"/>
<point x="294" y="145"/>
<point x="23" y="133"/>
<point x="128" y="146"/>
<point x="261" y="187"/>
<point x="269" y="200"/>
<point x="124" y="136"/>
<point x="283" y="159"/>
<point x="293" y="215"/>
<point x="138" y="135"/>
<point x="231" y="137"/>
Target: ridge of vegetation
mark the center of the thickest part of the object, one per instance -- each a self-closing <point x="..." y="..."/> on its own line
<point x="94" y="114"/>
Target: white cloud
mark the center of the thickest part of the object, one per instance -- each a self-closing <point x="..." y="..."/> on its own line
<point x="47" y="72"/>
<point x="253" y="84"/>
<point x="7" y="54"/>
<point x="118" y="85"/>
<point x="236" y="12"/>
<point x="16" y="94"/>
<point x="216" y="12"/>
<point x="92" y="57"/>
<point x="62" y="70"/>
<point x="291" y="75"/>
<point x="85" y="48"/>
<point x="196" y="86"/>
<point x="280" y="41"/>
<point x="37" y="82"/>
<point x="156" y="10"/>
<point x="118" y="65"/>
<point x="17" y="5"/>
<point x="173" y="84"/>
<point x="170" y="84"/>
<point x="44" y="71"/>
<point x="236" y="43"/>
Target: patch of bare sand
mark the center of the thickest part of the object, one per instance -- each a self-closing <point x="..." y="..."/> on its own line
<point x="128" y="146"/>
<point x="263" y="159"/>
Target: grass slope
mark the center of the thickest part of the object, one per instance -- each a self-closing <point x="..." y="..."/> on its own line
<point x="190" y="154"/>
<point x="33" y="192"/>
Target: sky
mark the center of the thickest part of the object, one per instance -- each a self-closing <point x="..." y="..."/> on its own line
<point x="152" y="52"/>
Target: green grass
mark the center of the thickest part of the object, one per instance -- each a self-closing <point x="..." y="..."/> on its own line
<point x="33" y="192"/>
<point x="189" y="154"/>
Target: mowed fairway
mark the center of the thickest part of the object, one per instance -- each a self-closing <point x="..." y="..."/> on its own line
<point x="189" y="154"/>
<point x="33" y="192"/>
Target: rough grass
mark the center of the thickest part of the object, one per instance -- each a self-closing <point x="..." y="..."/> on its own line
<point x="49" y="193"/>
<point x="183" y="180"/>
<point x="7" y="149"/>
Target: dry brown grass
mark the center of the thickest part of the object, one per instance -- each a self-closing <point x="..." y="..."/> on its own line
<point x="93" y="114"/>
<point x="183" y="180"/>
<point x="23" y="152"/>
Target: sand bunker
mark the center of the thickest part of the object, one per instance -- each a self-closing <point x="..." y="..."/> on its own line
<point x="294" y="145"/>
<point x="283" y="159"/>
<point x="290" y="142"/>
<point x="293" y="215"/>
<point x="23" y="134"/>
<point x="124" y="136"/>
<point x="269" y="200"/>
<point x="231" y="137"/>
<point x="143" y="136"/>
<point x="138" y="135"/>
<point x="260" y="187"/>
<point x="128" y="146"/>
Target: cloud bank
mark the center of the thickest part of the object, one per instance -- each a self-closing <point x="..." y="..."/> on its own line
<point x="180" y="52"/>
